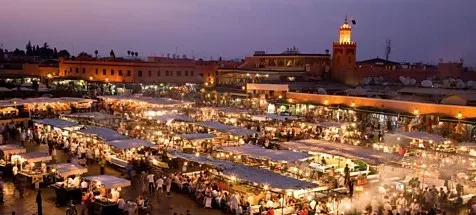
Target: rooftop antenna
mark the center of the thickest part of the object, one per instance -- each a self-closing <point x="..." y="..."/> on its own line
<point x="388" y="48"/>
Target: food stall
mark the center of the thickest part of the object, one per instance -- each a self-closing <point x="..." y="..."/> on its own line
<point x="93" y="118"/>
<point x="99" y="134"/>
<point x="33" y="166"/>
<point x="106" y="190"/>
<point x="120" y="152"/>
<point x="244" y="178"/>
<point x="361" y="161"/>
<point x="69" y="185"/>
<point x="7" y="159"/>
<point x="196" y="141"/>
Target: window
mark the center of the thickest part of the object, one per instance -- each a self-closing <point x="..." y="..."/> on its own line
<point x="140" y="73"/>
<point x="186" y="73"/>
<point x="120" y="72"/>
<point x="104" y="71"/>
<point x="77" y="70"/>
<point x="158" y="73"/>
<point x="191" y="73"/>
<point x="167" y="73"/>
<point x="150" y="73"/>
<point x="179" y="73"/>
<point x="201" y="74"/>
<point x="84" y="70"/>
<point x="112" y="72"/>
<point x="128" y="72"/>
<point x="96" y="71"/>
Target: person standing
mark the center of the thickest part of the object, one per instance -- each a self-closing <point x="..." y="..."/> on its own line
<point x="39" y="203"/>
<point x="346" y="174"/>
<point x="351" y="188"/>
<point x="160" y="185"/>
<point x="1" y="191"/>
<point x="150" y="178"/>
<point x="168" y="185"/>
<point x="102" y="165"/>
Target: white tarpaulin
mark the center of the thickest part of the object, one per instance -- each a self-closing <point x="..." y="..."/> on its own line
<point x="109" y="181"/>
<point x="171" y="117"/>
<point x="370" y="156"/>
<point x="130" y="143"/>
<point x="148" y="100"/>
<point x="34" y="157"/>
<point x="68" y="169"/>
<point x="250" y="174"/>
<point x="233" y="130"/>
<point x="260" y="152"/>
<point x="271" y="116"/>
<point x="420" y="135"/>
<point x="197" y="136"/>
<point x="104" y="133"/>
<point x="58" y="123"/>
<point x="12" y="149"/>
<point x="92" y="115"/>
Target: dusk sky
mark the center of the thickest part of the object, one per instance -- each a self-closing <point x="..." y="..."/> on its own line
<point x="420" y="30"/>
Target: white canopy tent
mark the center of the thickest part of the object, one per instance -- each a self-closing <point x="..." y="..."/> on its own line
<point x="250" y="174"/>
<point x="12" y="149"/>
<point x="103" y="133"/>
<point x="270" y="116"/>
<point x="59" y="123"/>
<point x="260" y="152"/>
<point x="91" y="115"/>
<point x="372" y="157"/>
<point x="171" y="117"/>
<point x="34" y="157"/>
<point x="423" y="136"/>
<point x="109" y="181"/>
<point x="233" y="130"/>
<point x="130" y="143"/>
<point x="68" y="169"/>
<point x="197" y="136"/>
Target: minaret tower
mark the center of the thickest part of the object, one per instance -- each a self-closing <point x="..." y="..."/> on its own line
<point x="344" y="55"/>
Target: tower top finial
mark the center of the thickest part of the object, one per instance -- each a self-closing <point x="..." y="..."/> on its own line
<point x="345" y="18"/>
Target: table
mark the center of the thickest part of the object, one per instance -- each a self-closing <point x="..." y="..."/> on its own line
<point x="63" y="196"/>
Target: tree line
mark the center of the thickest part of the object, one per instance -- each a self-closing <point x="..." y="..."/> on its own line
<point x="43" y="52"/>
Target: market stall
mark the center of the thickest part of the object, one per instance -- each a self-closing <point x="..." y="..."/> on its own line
<point x="243" y="177"/>
<point x="105" y="134"/>
<point x="67" y="181"/>
<point x="58" y="124"/>
<point x="106" y="190"/>
<point x="120" y="152"/>
<point x="7" y="153"/>
<point x="196" y="141"/>
<point x="93" y="118"/>
<point x="33" y="165"/>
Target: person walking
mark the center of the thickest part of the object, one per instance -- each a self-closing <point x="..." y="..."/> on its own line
<point x="39" y="203"/>
<point x="168" y="185"/>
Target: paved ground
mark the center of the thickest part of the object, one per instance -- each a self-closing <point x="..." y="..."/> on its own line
<point x="27" y="206"/>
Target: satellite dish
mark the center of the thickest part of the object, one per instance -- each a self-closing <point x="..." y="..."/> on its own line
<point x="460" y="85"/>
<point x="426" y="83"/>
<point x="470" y="83"/>
<point x="322" y="91"/>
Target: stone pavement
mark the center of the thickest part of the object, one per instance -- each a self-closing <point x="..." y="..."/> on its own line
<point x="27" y="205"/>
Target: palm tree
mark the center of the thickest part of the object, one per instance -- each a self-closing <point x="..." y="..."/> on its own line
<point x="96" y="52"/>
<point x="128" y="52"/>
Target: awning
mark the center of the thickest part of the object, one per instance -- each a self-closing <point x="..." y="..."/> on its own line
<point x="424" y="136"/>
<point x="58" y="123"/>
<point x="197" y="136"/>
<point x="34" y="157"/>
<point x="271" y="116"/>
<point x="370" y="156"/>
<point x="68" y="169"/>
<point x="171" y="117"/>
<point x="109" y="181"/>
<point x="104" y="133"/>
<point x="130" y="143"/>
<point x="260" y="152"/>
<point x="92" y="115"/>
<point x="250" y="174"/>
<point x="12" y="149"/>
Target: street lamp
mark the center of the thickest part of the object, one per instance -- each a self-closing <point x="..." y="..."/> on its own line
<point x="459" y="116"/>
